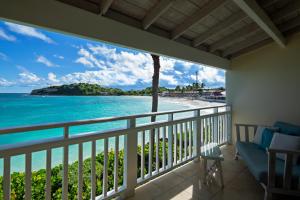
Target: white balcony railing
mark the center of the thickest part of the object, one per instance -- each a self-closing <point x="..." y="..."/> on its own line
<point x="142" y="157"/>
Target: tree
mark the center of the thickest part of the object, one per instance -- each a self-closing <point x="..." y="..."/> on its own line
<point x="155" y="87"/>
<point x="155" y="84"/>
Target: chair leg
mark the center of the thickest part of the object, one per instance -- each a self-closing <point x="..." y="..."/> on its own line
<point x="268" y="195"/>
<point x="220" y="173"/>
<point x="236" y="157"/>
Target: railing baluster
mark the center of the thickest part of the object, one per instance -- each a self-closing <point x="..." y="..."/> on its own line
<point x="28" y="176"/>
<point x="65" y="166"/>
<point x="6" y="178"/>
<point x="164" y="147"/>
<point x="143" y="155"/>
<point x="93" y="171"/>
<point x="190" y="138"/>
<point x="197" y="133"/>
<point x="157" y="150"/>
<point x="170" y="142"/>
<point x="175" y="145"/>
<point x="180" y="142"/>
<point x="48" y="174"/>
<point x="80" y="171"/>
<point x="185" y="140"/>
<point x="150" y="153"/>
<point x="215" y="126"/>
<point x="105" y="166"/>
<point x="116" y="165"/>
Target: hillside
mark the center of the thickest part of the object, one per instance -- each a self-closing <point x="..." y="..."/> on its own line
<point x="86" y="89"/>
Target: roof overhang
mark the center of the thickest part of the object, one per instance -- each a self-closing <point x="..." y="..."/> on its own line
<point x="54" y="15"/>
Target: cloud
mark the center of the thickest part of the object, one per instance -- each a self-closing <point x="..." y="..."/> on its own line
<point x="27" y="77"/>
<point x="125" y="65"/>
<point x="58" y="56"/>
<point x="52" y="78"/>
<point x="45" y="61"/>
<point x="169" y="79"/>
<point x="103" y="77"/>
<point x="3" y="56"/>
<point x="5" y="83"/>
<point x="210" y="75"/>
<point x="28" y="31"/>
<point x="6" y="36"/>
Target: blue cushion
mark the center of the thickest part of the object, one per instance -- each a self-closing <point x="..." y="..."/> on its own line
<point x="256" y="160"/>
<point x="287" y="128"/>
<point x="266" y="138"/>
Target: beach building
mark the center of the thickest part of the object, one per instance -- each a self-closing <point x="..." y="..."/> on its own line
<point x="257" y="42"/>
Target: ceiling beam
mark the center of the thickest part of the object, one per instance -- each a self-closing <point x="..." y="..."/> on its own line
<point x="104" y="6"/>
<point x="230" y="21"/>
<point x="257" y="14"/>
<point x="161" y="7"/>
<point x="244" y="32"/>
<point x="196" y="17"/>
<point x="216" y="29"/>
<point x="236" y="35"/>
<point x="251" y="40"/>
<point x="85" y="24"/>
<point x="286" y="10"/>
<point x="259" y="38"/>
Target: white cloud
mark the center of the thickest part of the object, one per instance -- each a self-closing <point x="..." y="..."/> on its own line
<point x="52" y="78"/>
<point x="59" y="56"/>
<point x="186" y="65"/>
<point x="178" y="72"/>
<point x="210" y="75"/>
<point x="125" y="65"/>
<point x="5" y="83"/>
<point x="27" y="77"/>
<point x="88" y="59"/>
<point x="45" y="61"/>
<point x="169" y="79"/>
<point x="6" y="36"/>
<point x="103" y="77"/>
<point x="28" y="31"/>
<point x="3" y="56"/>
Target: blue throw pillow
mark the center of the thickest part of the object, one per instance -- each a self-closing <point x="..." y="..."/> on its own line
<point x="266" y="138"/>
<point x="287" y="128"/>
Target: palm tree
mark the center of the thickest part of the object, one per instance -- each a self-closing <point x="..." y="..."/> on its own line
<point x="155" y="87"/>
<point x="155" y="84"/>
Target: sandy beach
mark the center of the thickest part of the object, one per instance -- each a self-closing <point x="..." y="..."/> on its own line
<point x="191" y="102"/>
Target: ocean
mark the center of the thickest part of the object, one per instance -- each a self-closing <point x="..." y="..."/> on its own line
<point x="26" y="110"/>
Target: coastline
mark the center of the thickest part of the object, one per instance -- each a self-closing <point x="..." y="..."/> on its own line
<point x="192" y="103"/>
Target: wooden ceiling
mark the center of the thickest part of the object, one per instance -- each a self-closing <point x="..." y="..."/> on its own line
<point x="227" y="28"/>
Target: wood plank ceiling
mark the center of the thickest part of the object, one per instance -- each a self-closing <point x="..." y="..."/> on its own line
<point x="227" y="28"/>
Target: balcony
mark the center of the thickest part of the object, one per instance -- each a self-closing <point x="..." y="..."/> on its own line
<point x="139" y="160"/>
<point x="186" y="182"/>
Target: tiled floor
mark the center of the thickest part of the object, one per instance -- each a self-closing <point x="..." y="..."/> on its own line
<point x="185" y="183"/>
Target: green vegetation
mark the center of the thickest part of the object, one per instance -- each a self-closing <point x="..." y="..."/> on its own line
<point x="39" y="177"/>
<point x="86" y="89"/>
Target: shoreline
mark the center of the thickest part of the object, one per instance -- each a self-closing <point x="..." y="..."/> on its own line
<point x="192" y="103"/>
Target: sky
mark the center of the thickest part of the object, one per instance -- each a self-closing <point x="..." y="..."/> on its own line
<point x="32" y="58"/>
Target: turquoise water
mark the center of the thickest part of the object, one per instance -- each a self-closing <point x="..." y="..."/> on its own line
<point x="25" y="110"/>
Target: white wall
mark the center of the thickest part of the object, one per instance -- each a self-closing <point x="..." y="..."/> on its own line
<point x="264" y="86"/>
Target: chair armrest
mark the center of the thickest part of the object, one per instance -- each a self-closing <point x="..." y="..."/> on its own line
<point x="288" y="169"/>
<point x="238" y="127"/>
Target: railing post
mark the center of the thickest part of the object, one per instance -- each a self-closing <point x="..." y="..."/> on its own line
<point x="170" y="142"/>
<point x="130" y="159"/>
<point x="197" y="134"/>
<point x="215" y="126"/>
<point x="229" y="124"/>
<point x="65" y="165"/>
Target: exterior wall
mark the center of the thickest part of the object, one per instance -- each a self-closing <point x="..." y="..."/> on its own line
<point x="264" y="86"/>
